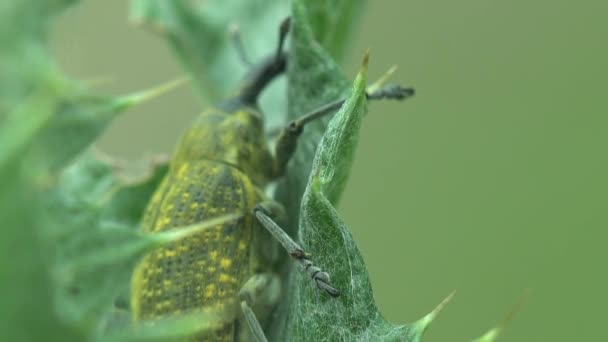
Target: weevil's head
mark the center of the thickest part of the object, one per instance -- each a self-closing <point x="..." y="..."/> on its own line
<point x="233" y="132"/>
<point x="234" y="137"/>
<point x="258" y="79"/>
<point x="265" y="71"/>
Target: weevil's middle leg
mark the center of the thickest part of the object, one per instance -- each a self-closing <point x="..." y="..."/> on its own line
<point x="262" y="288"/>
<point x="321" y="278"/>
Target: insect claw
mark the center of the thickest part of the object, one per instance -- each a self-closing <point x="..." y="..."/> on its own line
<point x="395" y="92"/>
<point x="299" y="254"/>
<point x="321" y="278"/>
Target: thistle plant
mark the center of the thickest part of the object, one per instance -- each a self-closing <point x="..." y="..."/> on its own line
<point x="70" y="215"/>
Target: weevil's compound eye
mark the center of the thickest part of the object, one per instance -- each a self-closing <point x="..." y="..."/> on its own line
<point x="295" y="128"/>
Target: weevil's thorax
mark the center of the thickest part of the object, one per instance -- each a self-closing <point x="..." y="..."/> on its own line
<point x="232" y="134"/>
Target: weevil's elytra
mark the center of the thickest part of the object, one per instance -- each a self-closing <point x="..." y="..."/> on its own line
<point x="220" y="166"/>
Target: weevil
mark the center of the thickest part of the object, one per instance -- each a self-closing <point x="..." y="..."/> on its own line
<point x="221" y="166"/>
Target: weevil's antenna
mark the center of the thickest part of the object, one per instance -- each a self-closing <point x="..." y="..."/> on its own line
<point x="261" y="74"/>
<point x="283" y="31"/>
<point x="237" y="40"/>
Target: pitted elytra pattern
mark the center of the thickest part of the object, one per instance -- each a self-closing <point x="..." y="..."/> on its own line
<point x="207" y="267"/>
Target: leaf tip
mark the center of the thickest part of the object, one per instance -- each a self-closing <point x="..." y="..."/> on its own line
<point x="128" y="101"/>
<point x="493" y="334"/>
<point x="185" y="231"/>
<point x="365" y="60"/>
<point x="98" y="81"/>
<point x="422" y="324"/>
<point x="392" y="70"/>
<point x="382" y="80"/>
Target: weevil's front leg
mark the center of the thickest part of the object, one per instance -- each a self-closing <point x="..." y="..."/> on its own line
<point x="288" y="136"/>
<point x="263" y="211"/>
<point x="262" y="288"/>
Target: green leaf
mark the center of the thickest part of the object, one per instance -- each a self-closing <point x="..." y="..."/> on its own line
<point x="333" y="23"/>
<point x="315" y="79"/>
<point x="28" y="309"/>
<point x="74" y="119"/>
<point x="24" y="59"/>
<point x="353" y="316"/>
<point x="493" y="334"/>
<point x="96" y="237"/>
<point x="28" y="312"/>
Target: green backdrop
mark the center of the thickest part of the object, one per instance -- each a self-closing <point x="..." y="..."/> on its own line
<point x="491" y="181"/>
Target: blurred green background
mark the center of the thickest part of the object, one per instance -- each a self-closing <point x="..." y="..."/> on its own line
<point x="491" y="181"/>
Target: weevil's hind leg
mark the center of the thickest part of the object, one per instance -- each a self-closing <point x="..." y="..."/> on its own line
<point x="288" y="137"/>
<point x="262" y="212"/>
<point x="261" y="289"/>
<point x="252" y="322"/>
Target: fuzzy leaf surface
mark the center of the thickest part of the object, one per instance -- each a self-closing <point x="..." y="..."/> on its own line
<point x="96" y="236"/>
<point x="313" y="316"/>
<point x="316" y="79"/>
<point x="27" y="105"/>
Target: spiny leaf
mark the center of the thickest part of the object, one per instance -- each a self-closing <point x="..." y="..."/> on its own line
<point x="47" y="120"/>
<point x="28" y="311"/>
<point x="137" y="98"/>
<point x="24" y="59"/>
<point x="314" y="80"/>
<point x="21" y="126"/>
<point x="422" y="324"/>
<point x="309" y="307"/>
<point x="94" y="239"/>
<point x="76" y="118"/>
<point x="353" y="316"/>
<point x="312" y="316"/>
<point x="333" y="23"/>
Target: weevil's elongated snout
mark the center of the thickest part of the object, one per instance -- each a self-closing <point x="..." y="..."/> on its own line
<point x="260" y="76"/>
<point x="267" y="70"/>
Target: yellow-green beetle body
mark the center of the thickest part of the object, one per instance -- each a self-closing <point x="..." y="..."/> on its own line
<point x="220" y="166"/>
